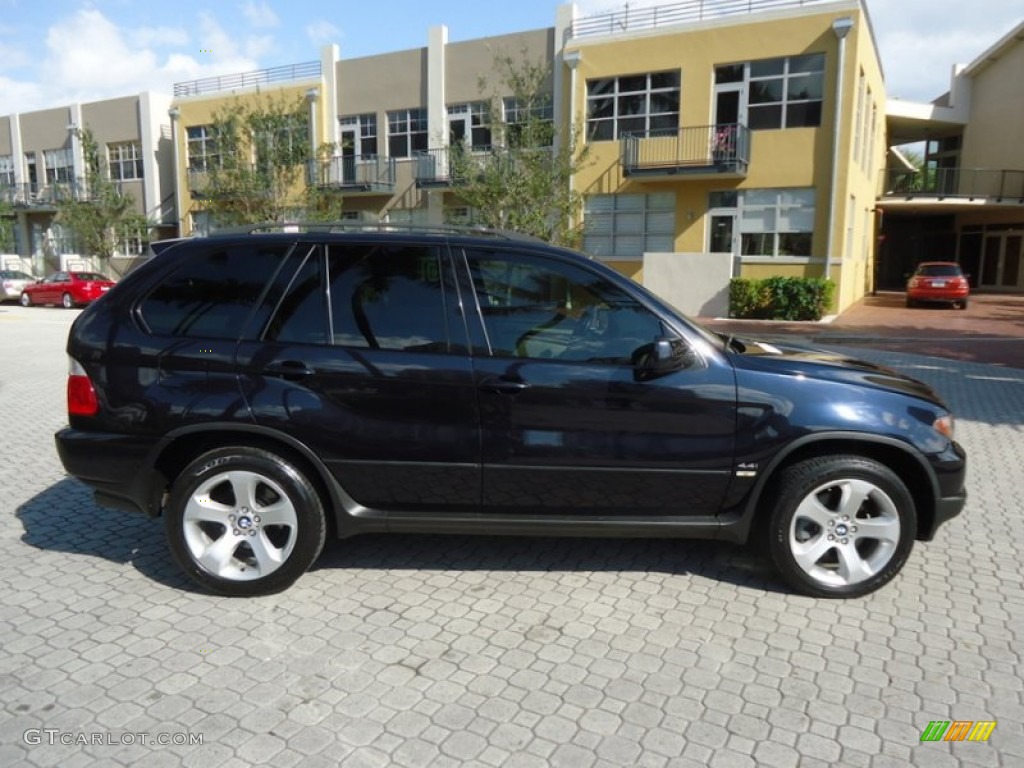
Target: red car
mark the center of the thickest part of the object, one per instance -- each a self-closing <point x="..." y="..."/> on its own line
<point x="938" y="281"/>
<point x="69" y="289"/>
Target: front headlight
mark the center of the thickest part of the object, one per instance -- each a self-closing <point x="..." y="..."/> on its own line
<point x="944" y="425"/>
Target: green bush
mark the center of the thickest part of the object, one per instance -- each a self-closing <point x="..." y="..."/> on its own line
<point x="780" y="298"/>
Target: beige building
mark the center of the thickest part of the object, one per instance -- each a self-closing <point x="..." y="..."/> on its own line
<point x="41" y="163"/>
<point x="967" y="201"/>
<point x="723" y="140"/>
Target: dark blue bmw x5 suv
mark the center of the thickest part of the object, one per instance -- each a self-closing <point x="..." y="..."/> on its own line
<point x="262" y="389"/>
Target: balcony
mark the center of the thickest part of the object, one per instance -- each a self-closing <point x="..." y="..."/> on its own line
<point x="368" y="174"/>
<point x="985" y="184"/>
<point x="708" y="151"/>
<point x="444" y="166"/>
<point x="44" y="196"/>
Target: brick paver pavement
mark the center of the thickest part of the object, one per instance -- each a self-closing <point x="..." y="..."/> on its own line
<point x="498" y="652"/>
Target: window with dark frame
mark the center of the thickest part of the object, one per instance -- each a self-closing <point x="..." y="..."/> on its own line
<point x="636" y="104"/>
<point x="784" y="92"/>
<point x="124" y="160"/>
<point x="407" y="132"/>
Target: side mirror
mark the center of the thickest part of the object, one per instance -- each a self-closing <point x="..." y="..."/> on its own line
<point x="661" y="357"/>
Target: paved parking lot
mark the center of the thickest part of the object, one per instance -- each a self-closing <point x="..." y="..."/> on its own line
<point x="497" y="652"/>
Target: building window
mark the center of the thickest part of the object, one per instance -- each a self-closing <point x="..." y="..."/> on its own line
<point x="6" y="171"/>
<point x="407" y="132"/>
<point x="772" y="222"/>
<point x="282" y="145"/>
<point x="632" y="104"/>
<point x="780" y="93"/>
<point x="60" y="168"/>
<point x="469" y="124"/>
<point x="202" y="148"/>
<point x="359" y="134"/>
<point x="529" y="124"/>
<point x="627" y="226"/>
<point x="125" y="161"/>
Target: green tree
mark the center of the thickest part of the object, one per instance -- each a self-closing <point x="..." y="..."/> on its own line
<point x="523" y="183"/>
<point x="260" y="159"/>
<point x="7" y="224"/>
<point x="98" y="213"/>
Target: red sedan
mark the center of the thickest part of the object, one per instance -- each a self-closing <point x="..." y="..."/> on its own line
<point x="938" y="281"/>
<point x="69" y="289"/>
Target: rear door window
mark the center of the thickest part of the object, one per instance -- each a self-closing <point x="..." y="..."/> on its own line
<point x="213" y="294"/>
<point x="391" y="296"/>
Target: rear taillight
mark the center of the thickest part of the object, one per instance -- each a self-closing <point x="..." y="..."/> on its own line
<point x="81" y="395"/>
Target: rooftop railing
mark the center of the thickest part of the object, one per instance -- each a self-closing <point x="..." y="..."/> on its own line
<point x="635" y="19"/>
<point x="304" y="71"/>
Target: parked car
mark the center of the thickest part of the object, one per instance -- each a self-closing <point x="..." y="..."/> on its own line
<point x="260" y="390"/>
<point x="69" y="289"/>
<point x="939" y="282"/>
<point x="12" y="283"/>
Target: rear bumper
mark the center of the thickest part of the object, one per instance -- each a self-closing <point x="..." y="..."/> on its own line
<point x="938" y="295"/>
<point x="116" y="467"/>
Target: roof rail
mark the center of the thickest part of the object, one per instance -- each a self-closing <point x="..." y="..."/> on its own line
<point x="362" y="226"/>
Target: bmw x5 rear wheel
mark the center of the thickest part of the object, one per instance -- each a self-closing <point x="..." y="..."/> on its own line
<point x="842" y="526"/>
<point x="243" y="521"/>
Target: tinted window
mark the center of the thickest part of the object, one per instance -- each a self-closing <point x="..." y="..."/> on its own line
<point x="212" y="295"/>
<point x="388" y="297"/>
<point x="939" y="270"/>
<point x="535" y="308"/>
<point x="88" y="276"/>
<point x="301" y="317"/>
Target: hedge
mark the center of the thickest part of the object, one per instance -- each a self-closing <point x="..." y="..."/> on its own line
<point x="780" y="298"/>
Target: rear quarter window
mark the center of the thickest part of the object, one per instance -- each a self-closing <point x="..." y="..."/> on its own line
<point x="212" y="294"/>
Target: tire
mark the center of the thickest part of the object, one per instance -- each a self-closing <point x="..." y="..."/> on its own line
<point x="66" y="302"/>
<point x="25" y="300"/>
<point x="911" y="303"/>
<point x="216" y="521"/>
<point x="962" y="304"/>
<point x="843" y="526"/>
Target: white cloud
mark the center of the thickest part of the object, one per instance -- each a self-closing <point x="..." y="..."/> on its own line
<point x="259" y="14"/>
<point x="159" y="36"/>
<point x="89" y="58"/>
<point x="321" y="32"/>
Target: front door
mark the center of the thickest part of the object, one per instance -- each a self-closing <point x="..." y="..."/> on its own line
<point x="567" y="428"/>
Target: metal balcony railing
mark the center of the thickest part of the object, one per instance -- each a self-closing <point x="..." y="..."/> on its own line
<point x="450" y="166"/>
<point x="972" y="183"/>
<point x="723" y="148"/>
<point x="306" y="70"/>
<point x="367" y="173"/>
<point x="28" y="195"/>
<point x="635" y="19"/>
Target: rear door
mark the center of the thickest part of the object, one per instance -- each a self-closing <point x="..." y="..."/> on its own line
<point x="364" y="359"/>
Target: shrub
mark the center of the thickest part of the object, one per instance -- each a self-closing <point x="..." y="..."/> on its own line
<point x="780" y="298"/>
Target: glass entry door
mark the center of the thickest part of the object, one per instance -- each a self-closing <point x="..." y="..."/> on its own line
<point x="1001" y="266"/>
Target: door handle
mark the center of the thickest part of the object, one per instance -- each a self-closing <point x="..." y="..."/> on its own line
<point x="503" y="386"/>
<point x="288" y="369"/>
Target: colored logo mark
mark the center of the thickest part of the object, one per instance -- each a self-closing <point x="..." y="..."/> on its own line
<point x="958" y="730"/>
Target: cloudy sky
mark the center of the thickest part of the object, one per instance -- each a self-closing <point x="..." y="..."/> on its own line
<point x="54" y="52"/>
